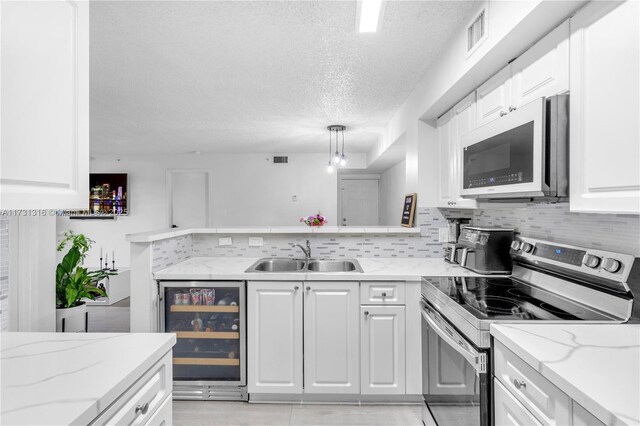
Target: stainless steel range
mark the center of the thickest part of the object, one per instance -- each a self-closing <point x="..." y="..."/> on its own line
<point x="550" y="282"/>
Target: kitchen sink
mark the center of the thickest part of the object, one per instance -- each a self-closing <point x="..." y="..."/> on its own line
<point x="299" y="265"/>
<point x="277" y="265"/>
<point x="334" y="266"/>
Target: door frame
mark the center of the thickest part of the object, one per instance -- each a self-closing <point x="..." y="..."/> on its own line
<point x="342" y="177"/>
<point x="169" y="191"/>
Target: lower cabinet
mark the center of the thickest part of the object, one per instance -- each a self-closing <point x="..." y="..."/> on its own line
<point x="331" y="337"/>
<point x="278" y="313"/>
<point x="274" y="337"/>
<point x="508" y="409"/>
<point x="383" y="349"/>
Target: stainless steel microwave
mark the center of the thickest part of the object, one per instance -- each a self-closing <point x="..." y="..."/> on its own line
<point x="522" y="155"/>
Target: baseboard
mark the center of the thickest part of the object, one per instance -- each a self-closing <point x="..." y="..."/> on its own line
<point x="285" y="398"/>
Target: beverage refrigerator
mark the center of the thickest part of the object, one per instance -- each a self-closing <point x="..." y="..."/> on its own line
<point x="209" y="319"/>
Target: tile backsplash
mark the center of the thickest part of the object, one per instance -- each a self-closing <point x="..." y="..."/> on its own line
<point x="554" y="222"/>
<point x="4" y="273"/>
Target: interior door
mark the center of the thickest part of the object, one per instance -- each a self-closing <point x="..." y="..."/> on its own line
<point x="359" y="199"/>
<point x="189" y="199"/>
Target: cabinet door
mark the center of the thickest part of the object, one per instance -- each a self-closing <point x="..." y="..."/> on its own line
<point x="449" y="373"/>
<point x="164" y="415"/>
<point x="274" y="337"/>
<point x="605" y="106"/>
<point x="493" y="97"/>
<point x="508" y="410"/>
<point x="44" y="155"/>
<point x="383" y="349"/>
<point x="331" y="337"/>
<point x="464" y="122"/>
<point x="543" y="70"/>
<point x="445" y="159"/>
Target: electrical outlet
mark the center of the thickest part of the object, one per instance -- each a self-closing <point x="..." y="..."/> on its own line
<point x="225" y="241"/>
<point x="256" y="241"/>
<point x="443" y="235"/>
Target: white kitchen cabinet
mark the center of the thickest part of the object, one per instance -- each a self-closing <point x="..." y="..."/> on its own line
<point x="543" y="70"/>
<point x="164" y="415"/>
<point x="508" y="410"/>
<point x="383" y="349"/>
<point x="460" y="120"/>
<point x="448" y="372"/>
<point x="581" y="417"/>
<point x="331" y="337"/>
<point x="274" y="337"/>
<point x="493" y="97"/>
<point x="45" y="105"/>
<point x="605" y="106"/>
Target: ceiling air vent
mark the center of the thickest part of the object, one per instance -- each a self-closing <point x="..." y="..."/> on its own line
<point x="280" y="160"/>
<point x="476" y="30"/>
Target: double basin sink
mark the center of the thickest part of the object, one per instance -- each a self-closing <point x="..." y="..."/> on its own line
<point x="300" y="265"/>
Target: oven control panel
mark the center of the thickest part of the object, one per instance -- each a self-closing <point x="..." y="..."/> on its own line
<point x="603" y="264"/>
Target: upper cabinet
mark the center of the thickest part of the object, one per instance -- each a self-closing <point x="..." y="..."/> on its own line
<point x="543" y="70"/>
<point x="605" y="106"/>
<point x="460" y="120"/>
<point x="44" y="153"/>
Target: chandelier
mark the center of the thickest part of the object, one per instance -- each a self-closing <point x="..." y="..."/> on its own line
<point x="336" y="159"/>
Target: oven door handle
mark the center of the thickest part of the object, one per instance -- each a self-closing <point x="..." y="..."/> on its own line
<point x="477" y="359"/>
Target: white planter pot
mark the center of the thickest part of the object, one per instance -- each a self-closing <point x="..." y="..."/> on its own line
<point x="74" y="319"/>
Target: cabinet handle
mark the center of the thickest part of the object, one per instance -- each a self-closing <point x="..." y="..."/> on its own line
<point x="502" y="113"/>
<point x="512" y="108"/>
<point x="384" y="294"/>
<point x="296" y="288"/>
<point x="519" y="383"/>
<point x="308" y="288"/>
<point x="142" y="408"/>
<point x="366" y="313"/>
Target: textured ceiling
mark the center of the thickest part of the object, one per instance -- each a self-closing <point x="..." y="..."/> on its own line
<point x="262" y="76"/>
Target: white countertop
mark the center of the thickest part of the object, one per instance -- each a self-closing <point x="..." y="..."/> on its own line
<point x="69" y="378"/>
<point x="147" y="237"/>
<point x="376" y="269"/>
<point x="598" y="366"/>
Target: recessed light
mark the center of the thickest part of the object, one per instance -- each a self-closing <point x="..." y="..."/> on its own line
<point x="369" y="15"/>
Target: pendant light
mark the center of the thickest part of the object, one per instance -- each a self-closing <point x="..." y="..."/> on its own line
<point x="330" y="164"/>
<point x="336" y="158"/>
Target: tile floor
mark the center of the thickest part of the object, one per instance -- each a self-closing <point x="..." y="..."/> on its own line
<point x="196" y="413"/>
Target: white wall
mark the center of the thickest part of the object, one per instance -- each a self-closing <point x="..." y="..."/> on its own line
<point x="392" y="192"/>
<point x="246" y="189"/>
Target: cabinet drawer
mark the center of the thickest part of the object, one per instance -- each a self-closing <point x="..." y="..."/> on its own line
<point x="549" y="404"/>
<point x="508" y="410"/>
<point x="139" y="403"/>
<point x="382" y="293"/>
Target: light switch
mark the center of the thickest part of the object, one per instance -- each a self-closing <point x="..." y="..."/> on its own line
<point x="225" y="241"/>
<point x="443" y="235"/>
<point x="255" y="242"/>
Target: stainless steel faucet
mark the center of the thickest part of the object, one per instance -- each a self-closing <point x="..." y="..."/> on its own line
<point x="306" y="251"/>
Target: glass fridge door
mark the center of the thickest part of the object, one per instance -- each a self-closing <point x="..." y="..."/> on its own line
<point x="208" y="319"/>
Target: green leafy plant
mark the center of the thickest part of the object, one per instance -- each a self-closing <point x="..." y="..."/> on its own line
<point x="73" y="281"/>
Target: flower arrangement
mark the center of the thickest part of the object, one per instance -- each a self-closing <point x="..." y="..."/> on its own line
<point x="314" y="220"/>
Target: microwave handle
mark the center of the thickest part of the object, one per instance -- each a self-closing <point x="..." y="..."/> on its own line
<point x="473" y="357"/>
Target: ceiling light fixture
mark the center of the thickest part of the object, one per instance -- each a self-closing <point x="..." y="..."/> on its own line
<point x="369" y="15"/>
<point x="336" y="158"/>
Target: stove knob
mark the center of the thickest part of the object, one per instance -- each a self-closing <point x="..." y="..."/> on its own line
<point x="515" y="245"/>
<point x="591" y="261"/>
<point x="527" y="248"/>
<point x="611" y="265"/>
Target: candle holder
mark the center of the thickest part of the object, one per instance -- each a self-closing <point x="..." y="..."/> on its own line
<point x="106" y="266"/>
<point x="113" y="266"/>
<point x="101" y="263"/>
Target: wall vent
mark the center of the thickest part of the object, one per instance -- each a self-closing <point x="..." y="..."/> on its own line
<point x="280" y="160"/>
<point x="477" y="30"/>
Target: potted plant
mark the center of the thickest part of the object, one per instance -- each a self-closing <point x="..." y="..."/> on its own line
<point x="75" y="283"/>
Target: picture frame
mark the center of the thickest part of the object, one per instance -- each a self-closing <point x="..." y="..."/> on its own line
<point x="408" y="210"/>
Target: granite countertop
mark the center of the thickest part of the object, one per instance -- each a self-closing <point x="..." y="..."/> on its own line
<point x="147" y="237"/>
<point x="70" y="378"/>
<point x="375" y="269"/>
<point x="598" y="366"/>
